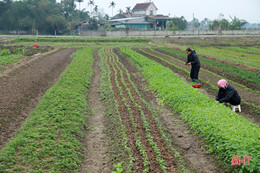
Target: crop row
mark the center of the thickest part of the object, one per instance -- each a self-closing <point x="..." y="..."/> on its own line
<point x="202" y="69"/>
<point x="155" y="116"/>
<point x="126" y="103"/>
<point x="8" y="56"/>
<point x="234" y="70"/>
<point x="253" y="107"/>
<point x="227" y="133"/>
<point x="50" y="139"/>
<point x="119" y="139"/>
<point x="244" y="50"/>
<point x="227" y="55"/>
<point x="146" y="124"/>
<point x="135" y="107"/>
<point x="81" y="40"/>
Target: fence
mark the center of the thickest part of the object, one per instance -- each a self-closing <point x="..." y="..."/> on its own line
<point x="102" y="33"/>
<point x="167" y="33"/>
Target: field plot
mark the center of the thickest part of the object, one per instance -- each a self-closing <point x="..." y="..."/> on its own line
<point x="11" y="56"/>
<point x="126" y="105"/>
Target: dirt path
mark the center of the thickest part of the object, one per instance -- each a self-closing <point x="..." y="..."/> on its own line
<point x="20" y="94"/>
<point x="245" y="95"/>
<point x="184" y="141"/>
<point x="96" y="141"/>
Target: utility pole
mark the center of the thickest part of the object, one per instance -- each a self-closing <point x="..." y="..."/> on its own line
<point x="193" y="21"/>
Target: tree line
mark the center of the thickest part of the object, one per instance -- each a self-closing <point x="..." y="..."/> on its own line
<point x="47" y="16"/>
<point x="180" y="23"/>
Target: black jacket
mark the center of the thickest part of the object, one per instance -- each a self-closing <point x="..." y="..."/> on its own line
<point x="193" y="58"/>
<point x="228" y="94"/>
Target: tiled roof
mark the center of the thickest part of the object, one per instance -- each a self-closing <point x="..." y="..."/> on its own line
<point x="141" y="6"/>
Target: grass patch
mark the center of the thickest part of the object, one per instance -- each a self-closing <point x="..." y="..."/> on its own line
<point x="244" y="50"/>
<point x="8" y="59"/>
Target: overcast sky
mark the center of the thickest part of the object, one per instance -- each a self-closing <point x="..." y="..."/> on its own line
<point x="243" y="9"/>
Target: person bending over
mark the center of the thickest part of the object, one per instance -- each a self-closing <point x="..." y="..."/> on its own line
<point x="193" y="60"/>
<point x="227" y="94"/>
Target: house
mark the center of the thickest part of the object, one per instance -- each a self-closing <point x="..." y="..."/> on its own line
<point x="144" y="9"/>
<point x="143" y="17"/>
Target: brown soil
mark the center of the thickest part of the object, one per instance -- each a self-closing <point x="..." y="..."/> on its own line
<point x="138" y="160"/>
<point x="225" y="75"/>
<point x="170" y="161"/>
<point x="165" y="152"/>
<point x="14" y="68"/>
<point x="22" y="88"/>
<point x="96" y="140"/>
<point x="257" y="70"/>
<point x="245" y="95"/>
<point x="188" y="144"/>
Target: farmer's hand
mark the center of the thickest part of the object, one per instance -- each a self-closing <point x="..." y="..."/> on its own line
<point x="189" y="63"/>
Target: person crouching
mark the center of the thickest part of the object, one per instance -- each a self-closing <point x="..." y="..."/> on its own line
<point x="227" y="94"/>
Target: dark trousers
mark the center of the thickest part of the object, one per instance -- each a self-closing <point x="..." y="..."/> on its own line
<point x="194" y="72"/>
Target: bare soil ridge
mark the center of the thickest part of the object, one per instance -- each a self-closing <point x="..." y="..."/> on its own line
<point x="21" y="92"/>
<point x="96" y="140"/>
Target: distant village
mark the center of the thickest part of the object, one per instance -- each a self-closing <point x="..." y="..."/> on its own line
<point x="141" y="18"/>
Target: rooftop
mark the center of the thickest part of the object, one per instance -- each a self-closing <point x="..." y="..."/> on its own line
<point x="142" y="6"/>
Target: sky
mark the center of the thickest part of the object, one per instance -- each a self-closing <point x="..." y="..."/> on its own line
<point x="243" y="9"/>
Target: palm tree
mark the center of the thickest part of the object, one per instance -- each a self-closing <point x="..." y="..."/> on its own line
<point x="90" y="3"/>
<point x="112" y="4"/>
<point x="79" y="1"/>
<point x="128" y="10"/>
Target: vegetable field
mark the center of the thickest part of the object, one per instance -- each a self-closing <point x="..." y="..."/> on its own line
<point x="127" y="105"/>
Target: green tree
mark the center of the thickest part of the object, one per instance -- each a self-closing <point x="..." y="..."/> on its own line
<point x="128" y="10"/>
<point x="68" y="7"/>
<point x="14" y="11"/>
<point x="224" y="24"/>
<point x="177" y="23"/>
<point x="214" y="25"/>
<point x="76" y="18"/>
<point x="236" y="23"/>
<point x="93" y="24"/>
